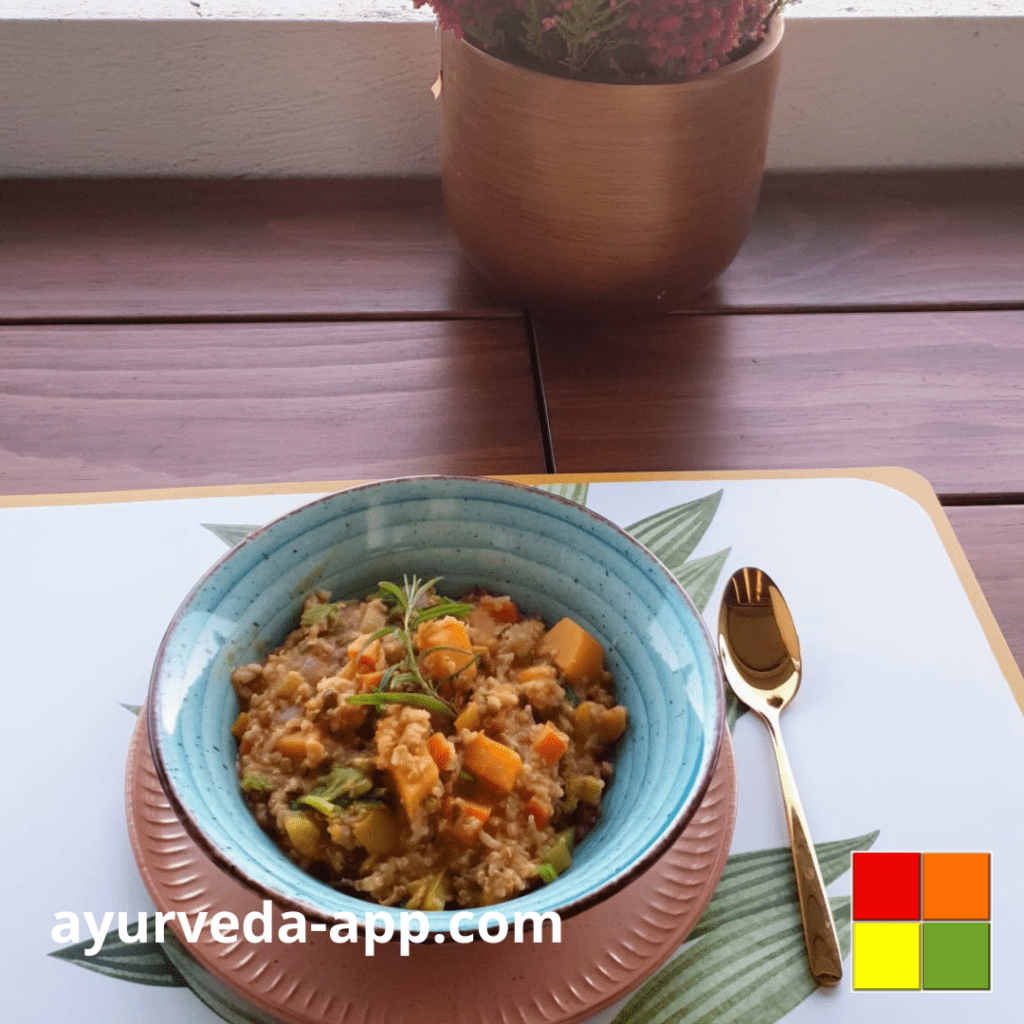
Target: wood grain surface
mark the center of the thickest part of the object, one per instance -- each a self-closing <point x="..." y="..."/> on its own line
<point x="870" y="319"/>
<point x="115" y="407"/>
<point x="939" y="392"/>
<point x="825" y="241"/>
<point x="992" y="537"/>
<point x="153" y="249"/>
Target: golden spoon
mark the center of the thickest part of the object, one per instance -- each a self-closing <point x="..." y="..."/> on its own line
<point x="761" y="659"/>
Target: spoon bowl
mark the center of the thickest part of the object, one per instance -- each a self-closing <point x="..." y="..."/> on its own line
<point x="759" y="638"/>
<point x="760" y="653"/>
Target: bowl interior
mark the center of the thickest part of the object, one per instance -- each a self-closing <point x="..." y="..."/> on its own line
<point x="552" y="557"/>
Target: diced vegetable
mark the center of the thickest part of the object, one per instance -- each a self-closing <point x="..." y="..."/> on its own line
<point x="502" y="609"/>
<point x="441" y="750"/>
<point x="364" y="653"/>
<point x="607" y="723"/>
<point x="433" y="895"/>
<point x="547" y="873"/>
<point x="611" y="723"/>
<point x="471" y="819"/>
<point x="313" y="613"/>
<point x="585" y="716"/>
<point x="300" y="746"/>
<point x="447" y="647"/>
<point x="414" y="783"/>
<point x="318" y="803"/>
<point x="303" y="833"/>
<point x="376" y="830"/>
<point x="550" y="743"/>
<point x="253" y="782"/>
<point x="369" y="680"/>
<point x="493" y="761"/>
<point x="436" y="896"/>
<point x="469" y="718"/>
<point x="241" y="723"/>
<point x="287" y="686"/>
<point x="539" y="810"/>
<point x="343" y="782"/>
<point x="534" y="672"/>
<point x="586" y="789"/>
<point x="559" y="853"/>
<point x="577" y="654"/>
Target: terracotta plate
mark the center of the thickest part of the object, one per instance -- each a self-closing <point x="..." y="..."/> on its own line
<point x="605" y="952"/>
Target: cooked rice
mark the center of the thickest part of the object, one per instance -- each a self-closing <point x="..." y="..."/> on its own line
<point x="421" y="822"/>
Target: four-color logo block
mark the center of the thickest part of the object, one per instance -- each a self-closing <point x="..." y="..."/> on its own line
<point x="921" y="921"/>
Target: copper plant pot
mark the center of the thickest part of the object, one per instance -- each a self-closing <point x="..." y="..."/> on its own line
<point x="586" y="197"/>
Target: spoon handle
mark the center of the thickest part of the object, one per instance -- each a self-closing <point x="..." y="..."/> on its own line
<point x="823" y="954"/>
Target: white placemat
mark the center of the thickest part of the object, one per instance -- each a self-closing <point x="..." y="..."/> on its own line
<point x="905" y="724"/>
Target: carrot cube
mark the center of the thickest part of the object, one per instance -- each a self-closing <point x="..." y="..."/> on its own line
<point x="414" y="783"/>
<point x="550" y="743"/>
<point x="501" y="609"/>
<point x="365" y="659"/>
<point x="440" y="750"/>
<point x="493" y="762"/>
<point x="367" y="681"/>
<point x="469" y="718"/>
<point x="472" y="818"/>
<point x="538" y="810"/>
<point x="577" y="654"/>
<point x="535" y="672"/>
<point x="453" y="654"/>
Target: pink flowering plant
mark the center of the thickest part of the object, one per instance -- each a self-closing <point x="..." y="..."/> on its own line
<point x="611" y="40"/>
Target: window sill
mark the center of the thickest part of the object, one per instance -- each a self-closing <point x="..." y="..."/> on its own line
<point x="218" y="87"/>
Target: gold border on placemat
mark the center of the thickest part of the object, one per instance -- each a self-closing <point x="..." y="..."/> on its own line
<point x="906" y="481"/>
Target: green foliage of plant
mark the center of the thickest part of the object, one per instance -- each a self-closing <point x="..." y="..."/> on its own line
<point x="612" y="40"/>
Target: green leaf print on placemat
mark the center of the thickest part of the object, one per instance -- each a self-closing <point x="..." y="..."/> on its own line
<point x="764" y="878"/>
<point x="571" y="492"/>
<point x="675" y="532"/>
<point x="231" y="534"/>
<point x="144" y="963"/>
<point x="752" y="970"/>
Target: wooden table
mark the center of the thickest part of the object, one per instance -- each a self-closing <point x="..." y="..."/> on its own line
<point x="168" y="333"/>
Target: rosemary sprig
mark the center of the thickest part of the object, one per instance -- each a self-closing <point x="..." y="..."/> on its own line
<point x="416" y="700"/>
<point x="405" y="602"/>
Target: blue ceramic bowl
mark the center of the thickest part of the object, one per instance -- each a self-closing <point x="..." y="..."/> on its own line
<point x="552" y="557"/>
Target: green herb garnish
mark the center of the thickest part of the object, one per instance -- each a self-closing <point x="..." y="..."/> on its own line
<point x="559" y="854"/>
<point x="317" y="803"/>
<point x="254" y="782"/>
<point x="403" y="682"/>
<point x="415" y="700"/>
<point x="316" y="612"/>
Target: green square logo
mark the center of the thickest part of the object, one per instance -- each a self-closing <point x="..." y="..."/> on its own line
<point x="955" y="955"/>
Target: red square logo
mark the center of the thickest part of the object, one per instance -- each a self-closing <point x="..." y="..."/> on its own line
<point x="886" y="886"/>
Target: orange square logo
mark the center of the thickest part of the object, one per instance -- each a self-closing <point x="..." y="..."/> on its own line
<point x="955" y="886"/>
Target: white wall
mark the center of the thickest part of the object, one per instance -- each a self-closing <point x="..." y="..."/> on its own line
<point x="221" y="87"/>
